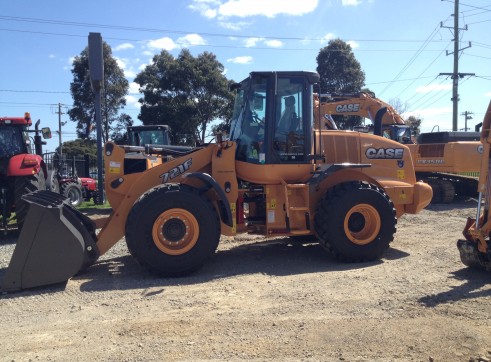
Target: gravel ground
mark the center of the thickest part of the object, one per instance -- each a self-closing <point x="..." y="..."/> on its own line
<point x="266" y="299"/>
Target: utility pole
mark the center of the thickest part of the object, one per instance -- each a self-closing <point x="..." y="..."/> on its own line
<point x="455" y="75"/>
<point x="467" y="116"/>
<point x="60" y="123"/>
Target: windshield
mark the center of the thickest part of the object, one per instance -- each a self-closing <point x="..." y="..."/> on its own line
<point x="404" y="135"/>
<point x="146" y="137"/>
<point x="247" y="126"/>
<point x="11" y="141"/>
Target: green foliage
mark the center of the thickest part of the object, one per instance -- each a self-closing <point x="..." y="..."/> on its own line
<point x="340" y="73"/>
<point x="119" y="134"/>
<point x="80" y="147"/>
<point x="88" y="206"/>
<point x="338" y="68"/>
<point x="113" y="94"/>
<point x="415" y="124"/>
<point x="186" y="93"/>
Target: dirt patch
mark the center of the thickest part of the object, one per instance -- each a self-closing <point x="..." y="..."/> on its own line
<point x="265" y="299"/>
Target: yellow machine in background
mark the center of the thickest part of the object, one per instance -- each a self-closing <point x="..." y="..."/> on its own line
<point x="448" y="161"/>
<point x="475" y="249"/>
<point x="276" y="175"/>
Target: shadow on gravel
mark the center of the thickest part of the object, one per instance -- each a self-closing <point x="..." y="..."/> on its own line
<point x="474" y="279"/>
<point x="457" y="203"/>
<point x="280" y="257"/>
<point x="9" y="236"/>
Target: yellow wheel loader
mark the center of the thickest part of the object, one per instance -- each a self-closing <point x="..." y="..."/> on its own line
<point x="275" y="175"/>
<point x="475" y="249"/>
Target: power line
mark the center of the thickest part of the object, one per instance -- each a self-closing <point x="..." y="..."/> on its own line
<point x="236" y="46"/>
<point x="180" y="32"/>
<point x="429" y="65"/>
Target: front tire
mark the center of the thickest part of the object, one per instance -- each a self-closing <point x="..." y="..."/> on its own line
<point x="171" y="230"/>
<point x="73" y="192"/>
<point x="356" y="222"/>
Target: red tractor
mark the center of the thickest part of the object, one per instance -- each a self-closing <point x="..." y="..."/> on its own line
<point x="63" y="178"/>
<point x="22" y="168"/>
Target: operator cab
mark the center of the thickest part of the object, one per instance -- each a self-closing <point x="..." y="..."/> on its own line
<point x="149" y="134"/>
<point x="399" y="133"/>
<point x="273" y="117"/>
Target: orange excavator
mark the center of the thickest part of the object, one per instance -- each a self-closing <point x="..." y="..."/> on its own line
<point x="448" y="161"/>
<point x="382" y="115"/>
<point x="475" y="249"/>
<point x="275" y="176"/>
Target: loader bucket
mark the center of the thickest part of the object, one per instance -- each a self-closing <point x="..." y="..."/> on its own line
<point x="55" y="243"/>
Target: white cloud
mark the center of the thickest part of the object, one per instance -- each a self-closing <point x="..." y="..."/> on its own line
<point x="236" y="25"/>
<point x="121" y="63"/>
<point x="69" y="63"/>
<point x="270" y="8"/>
<point x="207" y="8"/>
<point x="124" y="46"/>
<point x="252" y="42"/>
<point x="433" y="87"/>
<point x="191" y="40"/>
<point x="351" y="2"/>
<point x="487" y="94"/>
<point x="353" y="44"/>
<point x="169" y="44"/>
<point x="51" y="56"/>
<point x="165" y="43"/>
<point x="127" y="69"/>
<point x="134" y="88"/>
<point x="428" y="112"/>
<point x="245" y="8"/>
<point x="133" y="101"/>
<point x="241" y="60"/>
<point x="327" y="37"/>
<point x="274" y="43"/>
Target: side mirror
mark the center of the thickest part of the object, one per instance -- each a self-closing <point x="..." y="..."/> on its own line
<point x="46" y="132"/>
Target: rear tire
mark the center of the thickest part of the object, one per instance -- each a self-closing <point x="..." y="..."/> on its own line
<point x="171" y="230"/>
<point x="23" y="186"/>
<point x="356" y="222"/>
<point x="73" y="192"/>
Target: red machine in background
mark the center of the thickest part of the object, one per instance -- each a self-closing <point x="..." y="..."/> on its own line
<point x="22" y="168"/>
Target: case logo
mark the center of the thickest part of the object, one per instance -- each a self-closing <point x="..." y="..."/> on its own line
<point x="351" y="107"/>
<point x="385" y="153"/>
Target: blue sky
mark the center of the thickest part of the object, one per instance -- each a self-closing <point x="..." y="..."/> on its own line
<point x="400" y="45"/>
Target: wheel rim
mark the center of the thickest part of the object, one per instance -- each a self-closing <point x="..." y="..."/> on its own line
<point x="175" y="231"/>
<point x="362" y="224"/>
<point x="74" y="196"/>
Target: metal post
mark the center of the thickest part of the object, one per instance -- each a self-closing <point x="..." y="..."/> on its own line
<point x="455" y="77"/>
<point x="100" y="165"/>
<point x="59" y="129"/>
<point x="96" y="69"/>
